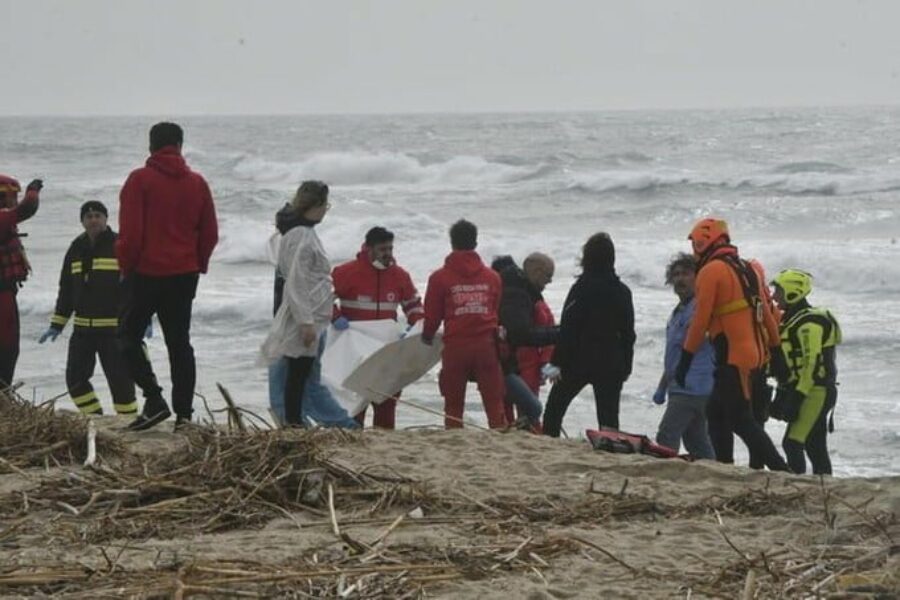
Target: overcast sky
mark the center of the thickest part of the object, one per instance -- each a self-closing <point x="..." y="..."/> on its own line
<point x="334" y="56"/>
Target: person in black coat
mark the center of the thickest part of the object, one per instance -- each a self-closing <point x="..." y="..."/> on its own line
<point x="517" y="310"/>
<point x="596" y="344"/>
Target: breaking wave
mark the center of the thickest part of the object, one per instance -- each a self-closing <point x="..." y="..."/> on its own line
<point x="362" y="168"/>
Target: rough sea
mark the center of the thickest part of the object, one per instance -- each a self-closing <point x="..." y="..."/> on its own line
<point x="813" y="189"/>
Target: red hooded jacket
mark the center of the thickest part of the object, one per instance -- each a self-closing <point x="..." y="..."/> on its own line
<point x="366" y="293"/>
<point x="167" y="220"/>
<point x="465" y="295"/>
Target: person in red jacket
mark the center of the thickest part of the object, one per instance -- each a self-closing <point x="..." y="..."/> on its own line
<point x="167" y="232"/>
<point x="13" y="268"/>
<point x="465" y="295"/>
<point x="370" y="288"/>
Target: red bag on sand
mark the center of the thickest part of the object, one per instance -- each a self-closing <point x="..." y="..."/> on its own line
<point x="620" y="442"/>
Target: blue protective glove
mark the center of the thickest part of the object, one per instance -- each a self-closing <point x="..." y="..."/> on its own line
<point x="659" y="396"/>
<point x="51" y="334"/>
<point x="551" y="373"/>
<point x="341" y="323"/>
<point x="148" y="333"/>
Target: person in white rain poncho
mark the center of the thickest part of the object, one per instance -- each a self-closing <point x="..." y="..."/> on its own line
<point x="306" y="309"/>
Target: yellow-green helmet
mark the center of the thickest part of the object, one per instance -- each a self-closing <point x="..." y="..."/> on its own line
<point x="794" y="283"/>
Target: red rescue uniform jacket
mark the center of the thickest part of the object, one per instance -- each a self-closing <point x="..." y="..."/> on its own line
<point x="366" y="293"/>
<point x="465" y="295"/>
<point x="167" y="220"/>
<point x="530" y="360"/>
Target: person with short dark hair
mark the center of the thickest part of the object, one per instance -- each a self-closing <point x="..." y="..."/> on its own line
<point x="373" y="287"/>
<point x="89" y="293"/>
<point x="685" y="416"/>
<point x="165" y="134"/>
<point x="14" y="267"/>
<point x="167" y="233"/>
<point x="596" y="344"/>
<point x="465" y="295"/>
<point x="463" y="235"/>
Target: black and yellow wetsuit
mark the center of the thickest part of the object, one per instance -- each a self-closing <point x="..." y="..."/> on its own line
<point x="89" y="288"/>
<point x="809" y="337"/>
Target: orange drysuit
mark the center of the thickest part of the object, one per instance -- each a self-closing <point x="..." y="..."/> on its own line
<point x="735" y="311"/>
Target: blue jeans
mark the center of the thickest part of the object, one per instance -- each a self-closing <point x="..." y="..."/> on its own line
<point x="318" y="403"/>
<point x="685" y="421"/>
<point x="519" y="394"/>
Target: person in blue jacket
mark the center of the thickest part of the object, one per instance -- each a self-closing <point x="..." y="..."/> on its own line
<point x="685" y="418"/>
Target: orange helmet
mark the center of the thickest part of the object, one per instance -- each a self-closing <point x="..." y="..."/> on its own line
<point x="706" y="233"/>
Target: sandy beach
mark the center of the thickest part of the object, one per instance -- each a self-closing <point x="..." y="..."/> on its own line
<point x="424" y="513"/>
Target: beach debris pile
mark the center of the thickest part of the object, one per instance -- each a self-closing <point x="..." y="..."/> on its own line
<point x="211" y="481"/>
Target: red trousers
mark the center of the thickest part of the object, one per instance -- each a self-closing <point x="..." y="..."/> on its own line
<point x="9" y="336"/>
<point x="476" y="359"/>
<point x="385" y="414"/>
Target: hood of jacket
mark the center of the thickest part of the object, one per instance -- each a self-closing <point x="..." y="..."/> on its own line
<point x="464" y="262"/>
<point x="717" y="252"/>
<point x="514" y="277"/>
<point x="287" y="218"/>
<point x="168" y="161"/>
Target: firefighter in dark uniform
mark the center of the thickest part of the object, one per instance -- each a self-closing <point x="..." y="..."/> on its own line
<point x="89" y="288"/>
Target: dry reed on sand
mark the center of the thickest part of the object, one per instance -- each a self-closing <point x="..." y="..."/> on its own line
<point x="36" y="435"/>
<point x="219" y="481"/>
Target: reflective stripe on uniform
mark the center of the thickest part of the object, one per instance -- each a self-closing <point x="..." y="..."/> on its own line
<point x="86" y="322"/>
<point x="59" y="320"/>
<point x="731" y="307"/>
<point x="76" y="267"/>
<point x="105" y="322"/>
<point x="366" y="305"/>
<point x="87" y="403"/>
<point x="126" y="409"/>
<point x="105" y="264"/>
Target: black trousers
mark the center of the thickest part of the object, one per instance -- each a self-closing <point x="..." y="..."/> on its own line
<point x="729" y="413"/>
<point x="760" y="399"/>
<point x="607" y="393"/>
<point x="9" y="336"/>
<point x="84" y="348"/>
<point x="171" y="300"/>
<point x="297" y="375"/>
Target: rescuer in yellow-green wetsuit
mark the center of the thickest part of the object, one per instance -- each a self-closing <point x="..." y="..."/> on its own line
<point x="807" y="390"/>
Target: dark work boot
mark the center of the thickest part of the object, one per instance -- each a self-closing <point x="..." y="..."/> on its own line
<point x="155" y="412"/>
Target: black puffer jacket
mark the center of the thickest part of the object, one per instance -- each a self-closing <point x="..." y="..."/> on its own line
<point x="597" y="329"/>
<point x="517" y="317"/>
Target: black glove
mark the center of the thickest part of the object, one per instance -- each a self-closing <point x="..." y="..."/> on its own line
<point x="35" y="185"/>
<point x="684" y="365"/>
<point x="777" y="365"/>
